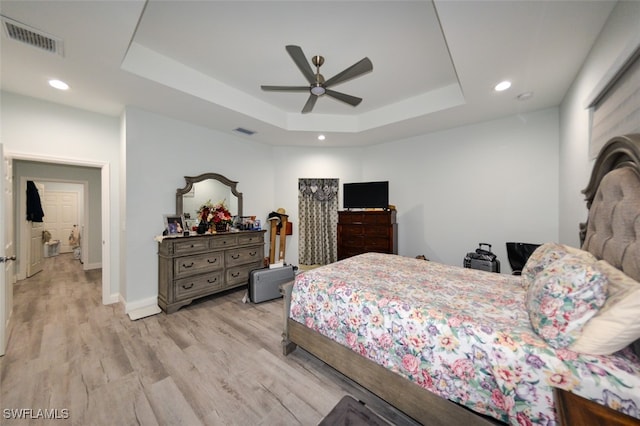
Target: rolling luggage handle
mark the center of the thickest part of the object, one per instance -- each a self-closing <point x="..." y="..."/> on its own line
<point x="487" y="253"/>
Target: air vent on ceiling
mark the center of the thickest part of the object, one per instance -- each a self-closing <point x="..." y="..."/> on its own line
<point x="245" y="131"/>
<point x="21" y="32"/>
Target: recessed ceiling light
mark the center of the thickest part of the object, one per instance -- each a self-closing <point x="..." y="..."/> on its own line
<point x="58" y="84"/>
<point x="503" y="85"/>
<point x="321" y="137"/>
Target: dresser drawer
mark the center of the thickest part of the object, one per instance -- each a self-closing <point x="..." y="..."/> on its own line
<point x="242" y="256"/>
<point x="246" y="239"/>
<point x="350" y="230"/>
<point x="191" y="245"/>
<point x="382" y="218"/>
<point x="352" y="241"/>
<point x="375" y="244"/>
<point x="358" y="218"/>
<point x="240" y="274"/>
<point x="198" y="263"/>
<point x="224" y="242"/>
<point x="194" y="286"/>
<point x="376" y="231"/>
<point x="348" y="217"/>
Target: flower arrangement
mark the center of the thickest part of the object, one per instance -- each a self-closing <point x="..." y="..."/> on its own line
<point x="215" y="214"/>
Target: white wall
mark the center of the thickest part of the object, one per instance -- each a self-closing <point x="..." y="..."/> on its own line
<point x="42" y="131"/>
<point x="620" y="36"/>
<point x="491" y="182"/>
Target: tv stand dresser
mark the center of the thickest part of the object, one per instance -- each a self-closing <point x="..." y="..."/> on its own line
<point x="197" y="266"/>
<point x="365" y="231"/>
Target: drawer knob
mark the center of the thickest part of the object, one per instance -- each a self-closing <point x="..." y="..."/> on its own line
<point x="234" y="257"/>
<point x="253" y="253"/>
<point x="213" y="261"/>
<point x="236" y="275"/>
<point x="211" y="281"/>
<point x="187" y="287"/>
<point x="184" y="265"/>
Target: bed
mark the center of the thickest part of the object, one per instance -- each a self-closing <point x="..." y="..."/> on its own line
<point x="462" y="345"/>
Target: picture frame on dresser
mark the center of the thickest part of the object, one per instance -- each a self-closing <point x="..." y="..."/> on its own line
<point x="174" y="224"/>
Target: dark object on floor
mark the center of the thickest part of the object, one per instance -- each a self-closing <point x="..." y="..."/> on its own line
<point x="422" y="257"/>
<point x="483" y="259"/>
<point x="353" y="413"/>
<point x="518" y="254"/>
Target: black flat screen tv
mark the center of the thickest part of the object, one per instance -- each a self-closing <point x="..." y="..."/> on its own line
<point x="366" y="195"/>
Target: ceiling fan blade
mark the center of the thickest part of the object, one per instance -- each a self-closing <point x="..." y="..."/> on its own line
<point x="310" y="104"/>
<point x="351" y="100"/>
<point x="355" y="70"/>
<point x="301" y="61"/>
<point x="285" y="88"/>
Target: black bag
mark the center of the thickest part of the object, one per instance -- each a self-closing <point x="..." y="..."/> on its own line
<point x="518" y="254"/>
<point x="483" y="259"/>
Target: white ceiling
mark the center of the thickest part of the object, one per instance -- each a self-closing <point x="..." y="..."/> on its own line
<point x="434" y="63"/>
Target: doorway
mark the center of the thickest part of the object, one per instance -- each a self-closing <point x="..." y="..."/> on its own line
<point x="95" y="237"/>
<point x="63" y="205"/>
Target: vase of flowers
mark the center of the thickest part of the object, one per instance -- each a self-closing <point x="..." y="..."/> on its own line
<point x="215" y="217"/>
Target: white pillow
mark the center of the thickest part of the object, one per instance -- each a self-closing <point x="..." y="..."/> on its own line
<point x="616" y="324"/>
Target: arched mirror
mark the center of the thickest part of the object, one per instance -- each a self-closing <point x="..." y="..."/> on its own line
<point x="208" y="187"/>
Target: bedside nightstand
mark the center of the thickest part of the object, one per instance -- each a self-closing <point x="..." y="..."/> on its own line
<point x="574" y="410"/>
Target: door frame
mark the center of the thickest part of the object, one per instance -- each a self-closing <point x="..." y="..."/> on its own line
<point x="105" y="189"/>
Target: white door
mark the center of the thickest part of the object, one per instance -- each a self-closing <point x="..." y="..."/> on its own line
<point x="61" y="214"/>
<point x="6" y="248"/>
<point x="34" y="262"/>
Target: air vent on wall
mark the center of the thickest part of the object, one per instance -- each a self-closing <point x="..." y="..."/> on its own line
<point x="25" y="34"/>
<point x="245" y="131"/>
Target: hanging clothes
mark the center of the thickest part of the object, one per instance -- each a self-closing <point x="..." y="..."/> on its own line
<point x="34" y="206"/>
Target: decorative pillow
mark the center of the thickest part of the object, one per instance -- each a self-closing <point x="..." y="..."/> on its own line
<point x="563" y="297"/>
<point x="545" y="255"/>
<point x="616" y="325"/>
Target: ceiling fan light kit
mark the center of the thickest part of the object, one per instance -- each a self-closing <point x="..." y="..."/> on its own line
<point x="317" y="84"/>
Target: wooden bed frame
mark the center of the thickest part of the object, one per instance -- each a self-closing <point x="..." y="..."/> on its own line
<point x="419" y="403"/>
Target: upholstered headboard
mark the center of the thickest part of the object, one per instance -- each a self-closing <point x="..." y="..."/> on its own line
<point x="612" y="230"/>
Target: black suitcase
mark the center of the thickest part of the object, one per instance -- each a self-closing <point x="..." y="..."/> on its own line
<point x="482" y="259"/>
<point x="264" y="284"/>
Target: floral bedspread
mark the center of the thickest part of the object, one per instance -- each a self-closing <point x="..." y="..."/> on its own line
<point x="463" y="334"/>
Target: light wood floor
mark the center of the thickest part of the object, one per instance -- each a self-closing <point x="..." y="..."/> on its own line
<point x="215" y="362"/>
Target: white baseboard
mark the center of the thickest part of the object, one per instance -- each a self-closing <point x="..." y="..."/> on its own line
<point x="142" y="308"/>
<point x="88" y="266"/>
<point x="113" y="298"/>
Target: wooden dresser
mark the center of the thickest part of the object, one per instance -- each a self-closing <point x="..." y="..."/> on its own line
<point x="197" y="266"/>
<point x="367" y="231"/>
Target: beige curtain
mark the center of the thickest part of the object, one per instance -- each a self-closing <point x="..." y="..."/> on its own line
<point x="318" y="217"/>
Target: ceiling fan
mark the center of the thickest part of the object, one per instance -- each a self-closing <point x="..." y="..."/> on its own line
<point x="317" y="84"/>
